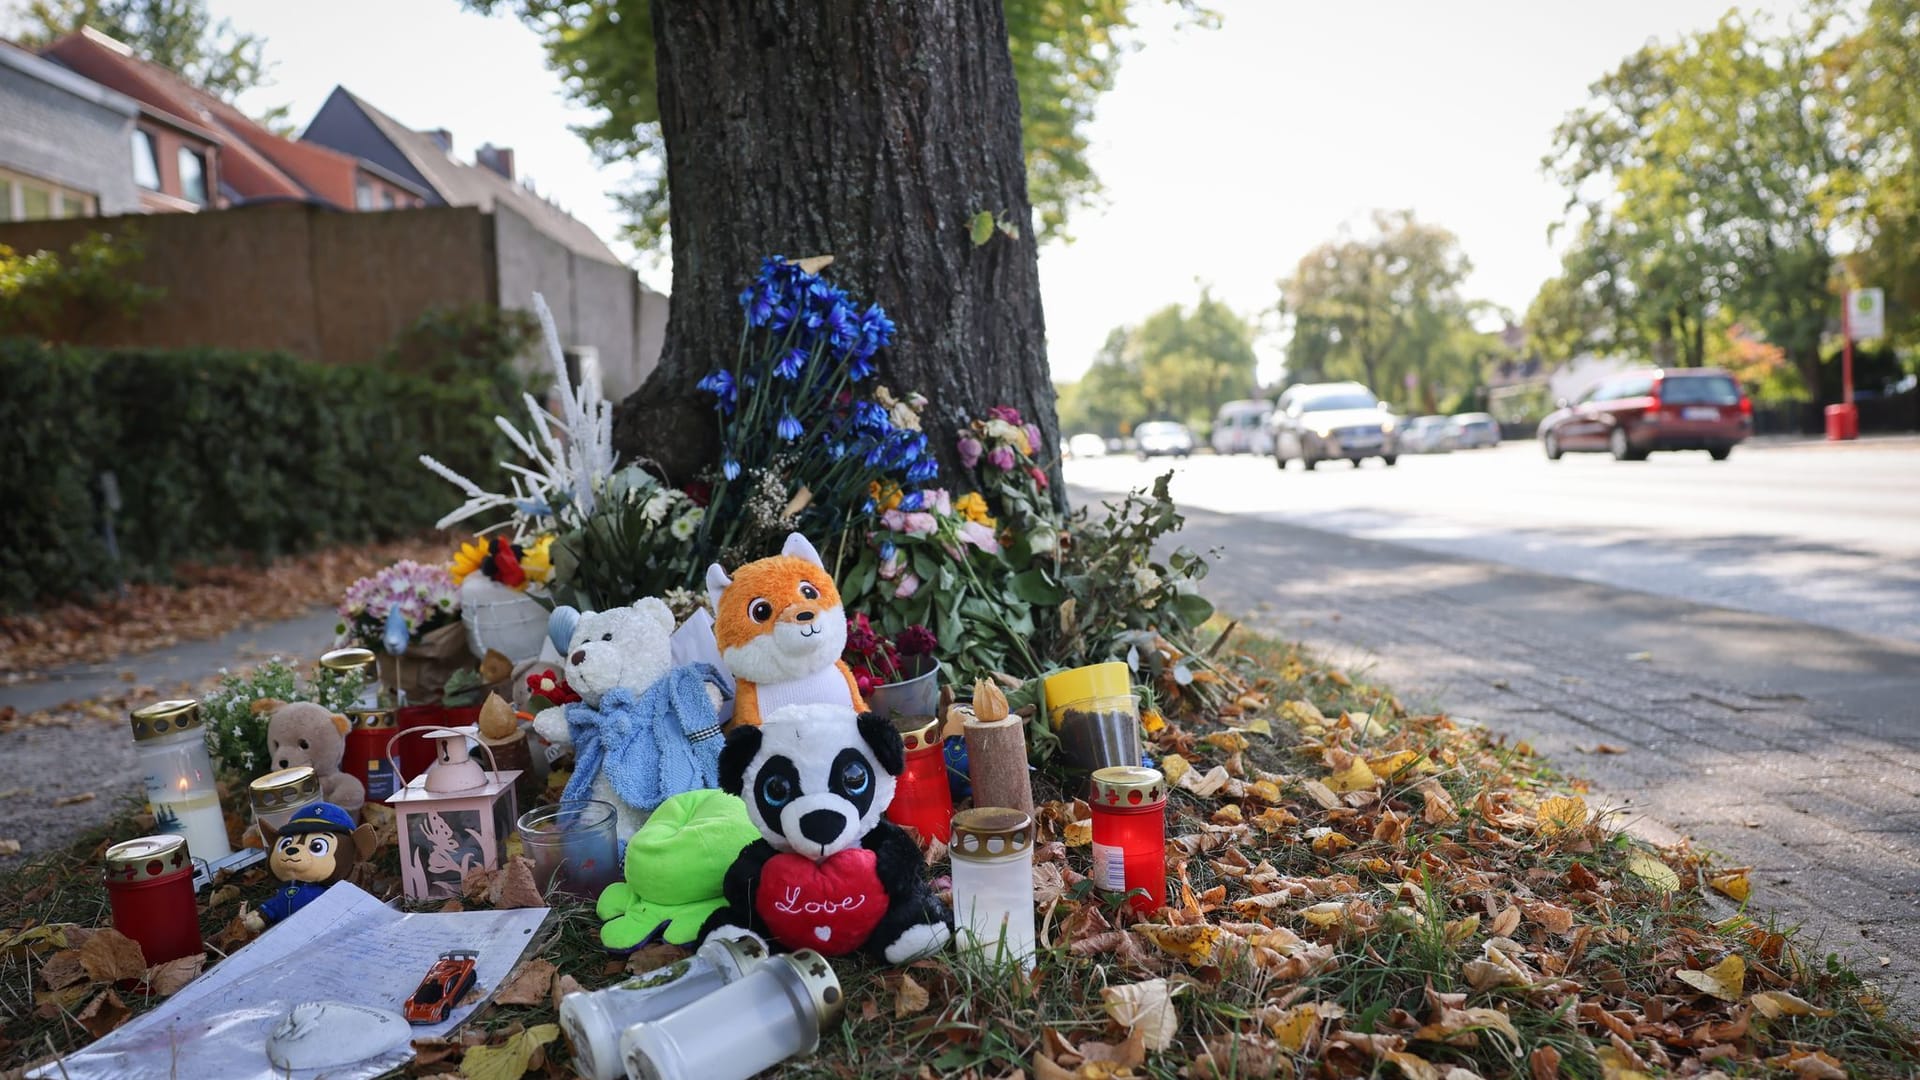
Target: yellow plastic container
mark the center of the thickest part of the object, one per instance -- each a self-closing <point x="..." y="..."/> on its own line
<point x="1093" y="711"/>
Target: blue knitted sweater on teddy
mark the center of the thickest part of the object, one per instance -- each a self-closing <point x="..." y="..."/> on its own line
<point x="651" y="746"/>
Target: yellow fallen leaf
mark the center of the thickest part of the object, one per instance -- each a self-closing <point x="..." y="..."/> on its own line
<point x="1205" y="785"/>
<point x="509" y="1060"/>
<point x="1320" y="793"/>
<point x="1303" y="712"/>
<point x="1462" y="930"/>
<point x="1231" y="742"/>
<point x="1331" y="843"/>
<point x="1265" y="790"/>
<point x="1724" y="980"/>
<point x="1561" y="813"/>
<point x="1355" y="777"/>
<point x="1078" y="833"/>
<point x="1733" y="883"/>
<point x="1393" y="764"/>
<point x="1193" y="944"/>
<point x="1173" y="767"/>
<point x="1809" y="1065"/>
<point x="1652" y="872"/>
<point x="1151" y="721"/>
<point x="1615" y="1065"/>
<point x="1774" y="1004"/>
<point x="910" y="998"/>
<point x="1146" y="1007"/>
<point x="1256" y="726"/>
<point x="1324" y="914"/>
<point x="1293" y="1027"/>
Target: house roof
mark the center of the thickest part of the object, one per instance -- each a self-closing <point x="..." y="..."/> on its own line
<point x="28" y="63"/>
<point x="461" y="184"/>
<point x="255" y="164"/>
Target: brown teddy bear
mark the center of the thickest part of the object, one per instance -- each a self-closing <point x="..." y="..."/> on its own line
<point x="303" y="733"/>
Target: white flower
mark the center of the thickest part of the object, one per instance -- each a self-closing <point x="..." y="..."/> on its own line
<point x="655" y="510"/>
<point x="683" y="526"/>
<point x="1145" y="580"/>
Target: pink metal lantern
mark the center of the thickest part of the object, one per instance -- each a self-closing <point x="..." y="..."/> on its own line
<point x="452" y="818"/>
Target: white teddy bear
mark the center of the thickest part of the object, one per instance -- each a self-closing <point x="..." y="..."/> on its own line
<point x="626" y="648"/>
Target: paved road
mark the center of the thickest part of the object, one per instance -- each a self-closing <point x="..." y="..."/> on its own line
<point x="1781" y="743"/>
<point x="1818" y="534"/>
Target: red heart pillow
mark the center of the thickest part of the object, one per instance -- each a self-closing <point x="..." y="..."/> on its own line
<point x="829" y="907"/>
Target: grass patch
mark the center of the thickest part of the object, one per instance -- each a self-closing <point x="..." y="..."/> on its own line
<point x="1358" y="890"/>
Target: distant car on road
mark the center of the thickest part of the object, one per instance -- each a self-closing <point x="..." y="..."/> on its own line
<point x="1317" y="422"/>
<point x="1163" y="437"/>
<point x="1474" y="429"/>
<point x="1240" y="427"/>
<point x="1634" y="413"/>
<point x="1427" y="435"/>
<point x="1087" y="445"/>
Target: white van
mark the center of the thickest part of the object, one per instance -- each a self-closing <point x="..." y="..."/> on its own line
<point x="1241" y="428"/>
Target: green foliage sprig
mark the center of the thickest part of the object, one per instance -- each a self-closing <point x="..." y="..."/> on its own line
<point x="46" y="294"/>
<point x="236" y="732"/>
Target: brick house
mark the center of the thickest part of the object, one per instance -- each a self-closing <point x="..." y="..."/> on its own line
<point x="65" y="145"/>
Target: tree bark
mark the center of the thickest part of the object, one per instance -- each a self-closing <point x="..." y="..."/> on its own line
<point x="873" y="132"/>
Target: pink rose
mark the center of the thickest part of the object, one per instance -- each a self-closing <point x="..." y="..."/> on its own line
<point x="970" y="451"/>
<point x="1033" y="436"/>
<point x="981" y="537"/>
<point x="890" y="567"/>
<point x="939" y="502"/>
<point x="1005" y="412"/>
<point x="909" y="585"/>
<point x="1001" y="458"/>
<point x="1039" y="477"/>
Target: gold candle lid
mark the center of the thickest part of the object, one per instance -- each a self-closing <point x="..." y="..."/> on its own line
<point x="1128" y="786"/>
<point x="287" y="787"/>
<point x="165" y="718"/>
<point x="345" y="660"/>
<point x="989" y="831"/>
<point x="372" y="719"/>
<point x="817" y="976"/>
<point x="918" y="732"/>
<point x="147" y="858"/>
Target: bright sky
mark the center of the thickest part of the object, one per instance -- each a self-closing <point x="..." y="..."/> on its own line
<point x="1226" y="154"/>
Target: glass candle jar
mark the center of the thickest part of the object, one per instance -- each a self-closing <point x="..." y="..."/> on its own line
<point x="179" y="777"/>
<point x="355" y="661"/>
<point x="277" y="795"/>
<point x="1093" y="711"/>
<point x="993" y="884"/>
<point x="774" y="1012"/>
<point x="365" y="757"/>
<point x="595" y="1020"/>
<point x="1130" y="833"/>
<point x="922" y="800"/>
<point x="150" y="890"/>
<point x="572" y="845"/>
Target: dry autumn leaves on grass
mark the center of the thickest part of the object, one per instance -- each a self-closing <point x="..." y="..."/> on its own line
<point x="1357" y="891"/>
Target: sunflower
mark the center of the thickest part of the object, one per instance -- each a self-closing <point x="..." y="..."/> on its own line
<point x="537" y="560"/>
<point x="468" y="559"/>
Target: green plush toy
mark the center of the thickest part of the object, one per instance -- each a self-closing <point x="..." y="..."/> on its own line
<point x="675" y="866"/>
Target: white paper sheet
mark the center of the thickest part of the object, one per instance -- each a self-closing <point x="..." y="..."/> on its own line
<point x="344" y="946"/>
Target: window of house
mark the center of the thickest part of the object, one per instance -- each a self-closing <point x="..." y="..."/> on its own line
<point x="386" y="199"/>
<point x="362" y="195"/>
<point x="146" y="163"/>
<point x="36" y="202"/>
<point x="193" y="176"/>
<point x="6" y="199"/>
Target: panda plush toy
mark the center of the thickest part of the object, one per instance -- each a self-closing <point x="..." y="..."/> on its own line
<point x="829" y="872"/>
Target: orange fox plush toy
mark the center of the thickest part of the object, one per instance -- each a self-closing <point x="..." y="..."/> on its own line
<point x="781" y="630"/>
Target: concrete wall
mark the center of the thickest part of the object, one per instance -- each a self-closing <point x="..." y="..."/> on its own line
<point x="329" y="286"/>
<point x="595" y="304"/>
<point x="65" y="134"/>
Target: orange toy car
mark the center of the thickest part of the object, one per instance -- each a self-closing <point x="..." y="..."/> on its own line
<point x="447" y="981"/>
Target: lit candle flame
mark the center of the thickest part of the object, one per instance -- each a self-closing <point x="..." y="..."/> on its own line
<point x="183" y="785"/>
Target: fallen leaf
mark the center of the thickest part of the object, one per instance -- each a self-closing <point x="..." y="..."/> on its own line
<point x="1615" y="1065"/>
<point x="1194" y="944"/>
<point x="1561" y="813"/>
<point x="528" y="983"/>
<point x="1293" y="1027"/>
<point x="1439" y="807"/>
<point x="1173" y="767"/>
<point x="1544" y="1063"/>
<point x="110" y="956"/>
<point x="1147" y="1007"/>
<point x="1357" y="776"/>
<point x="74" y="800"/>
<point x="1321" y="793"/>
<point x="1324" y="914"/>
<point x="516" y="886"/>
<point x="1393" y="764"/>
<point x="1205" y="785"/>
<point x="654" y="957"/>
<point x="509" y="1060"/>
<point x="1733" y="883"/>
<point x="169" y="978"/>
<point x="1810" y="1065"/>
<point x="1774" y="1004"/>
<point x="1505" y="923"/>
<point x="1608" y="748"/>
<point x="1078" y="833"/>
<point x="103" y="1014"/>
<point x="1724" y="980"/>
<point x="1655" y="874"/>
<point x="909" y="998"/>
<point x="9" y="847"/>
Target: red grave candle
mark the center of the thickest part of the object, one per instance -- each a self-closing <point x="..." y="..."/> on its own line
<point x="1130" y="833"/>
<point x="150" y="889"/>
<point x="922" y="801"/>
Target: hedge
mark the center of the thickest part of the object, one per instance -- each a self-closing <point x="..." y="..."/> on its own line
<point x="217" y="454"/>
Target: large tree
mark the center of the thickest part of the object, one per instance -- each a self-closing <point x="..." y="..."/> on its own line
<point x="1178" y="363"/>
<point x="877" y="134"/>
<point x="176" y="34"/>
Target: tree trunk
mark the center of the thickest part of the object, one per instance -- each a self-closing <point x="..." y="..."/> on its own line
<point x="871" y="132"/>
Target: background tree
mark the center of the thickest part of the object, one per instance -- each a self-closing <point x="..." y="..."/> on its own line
<point x="1875" y="77"/>
<point x="176" y="34"/>
<point x="1065" y="56"/>
<point x="1178" y="364"/>
<point x="1382" y="306"/>
<point x="872" y="132"/>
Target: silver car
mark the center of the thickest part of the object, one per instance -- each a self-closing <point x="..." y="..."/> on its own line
<point x="1317" y="422"/>
<point x="1474" y="429"/>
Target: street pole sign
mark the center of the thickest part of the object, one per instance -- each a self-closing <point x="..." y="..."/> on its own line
<point x="1866" y="314"/>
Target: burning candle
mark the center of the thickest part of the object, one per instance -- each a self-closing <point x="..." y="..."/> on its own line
<point x="150" y="889"/>
<point x="1130" y="833"/>
<point x="993" y="884"/>
<point x="594" y="1020"/>
<point x="179" y="777"/>
<point x="922" y="799"/>
<point x="774" y="1012"/>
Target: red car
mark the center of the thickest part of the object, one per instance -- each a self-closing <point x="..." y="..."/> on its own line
<point x="1637" y="412"/>
<point x="447" y="981"/>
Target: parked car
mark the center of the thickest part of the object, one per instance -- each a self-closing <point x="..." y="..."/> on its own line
<point x="1634" y="413"/>
<point x="1163" y="437"/>
<point x="1317" y="422"/>
<point x="1240" y="427"/>
<point x="1427" y="435"/>
<point x="1087" y="445"/>
<point x="1474" y="429"/>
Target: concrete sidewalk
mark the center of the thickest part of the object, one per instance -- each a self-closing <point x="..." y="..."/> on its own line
<point x="89" y="754"/>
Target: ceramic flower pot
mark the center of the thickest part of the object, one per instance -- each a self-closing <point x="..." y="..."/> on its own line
<point x="497" y="617"/>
